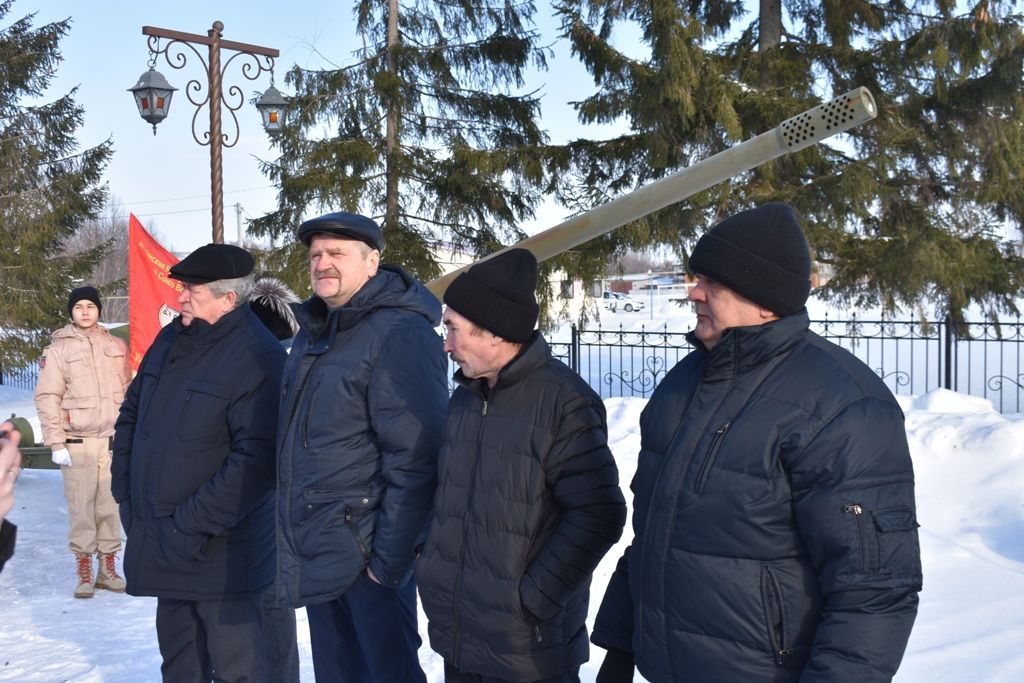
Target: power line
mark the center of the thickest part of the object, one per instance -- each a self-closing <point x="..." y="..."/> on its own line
<point x="198" y="196"/>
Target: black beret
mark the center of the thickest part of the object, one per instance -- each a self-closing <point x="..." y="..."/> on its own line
<point x="213" y="262"/>
<point x="345" y="225"/>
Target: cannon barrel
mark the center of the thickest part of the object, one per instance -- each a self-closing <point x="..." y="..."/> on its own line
<point x="803" y="130"/>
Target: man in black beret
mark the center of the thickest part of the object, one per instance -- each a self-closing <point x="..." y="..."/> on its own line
<point x="528" y="500"/>
<point x="775" y="532"/>
<point x="193" y="472"/>
<point x="364" y="396"/>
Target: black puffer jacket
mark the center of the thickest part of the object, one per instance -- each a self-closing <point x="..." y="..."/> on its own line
<point x="528" y="504"/>
<point x="193" y="460"/>
<point x="363" y="403"/>
<point x="774" y="519"/>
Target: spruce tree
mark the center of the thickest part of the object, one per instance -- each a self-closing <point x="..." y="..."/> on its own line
<point x="923" y="202"/>
<point x="423" y="129"/>
<point x="47" y="189"/>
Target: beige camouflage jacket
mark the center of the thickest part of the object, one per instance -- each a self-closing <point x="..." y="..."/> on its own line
<point x="82" y="379"/>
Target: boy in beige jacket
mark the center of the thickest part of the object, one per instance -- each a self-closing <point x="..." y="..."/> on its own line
<point x="82" y="379"/>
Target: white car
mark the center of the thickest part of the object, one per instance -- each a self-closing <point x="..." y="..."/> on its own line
<point x="613" y="301"/>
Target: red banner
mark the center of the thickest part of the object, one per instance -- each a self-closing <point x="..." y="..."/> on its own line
<point x="152" y="294"/>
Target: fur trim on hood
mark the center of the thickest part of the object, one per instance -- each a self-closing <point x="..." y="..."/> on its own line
<point x="269" y="302"/>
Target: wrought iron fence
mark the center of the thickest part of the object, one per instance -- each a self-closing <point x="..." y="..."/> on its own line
<point x="911" y="356"/>
<point x="19" y="378"/>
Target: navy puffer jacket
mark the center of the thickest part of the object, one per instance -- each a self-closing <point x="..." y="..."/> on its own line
<point x="774" y="519"/>
<point x="363" y="402"/>
<point x="193" y="460"/>
<point x="528" y="504"/>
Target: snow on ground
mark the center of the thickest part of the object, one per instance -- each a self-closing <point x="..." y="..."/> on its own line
<point x="969" y="463"/>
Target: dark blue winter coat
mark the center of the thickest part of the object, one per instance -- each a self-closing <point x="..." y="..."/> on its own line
<point x="193" y="460"/>
<point x="363" y="402"/>
<point x="527" y="506"/>
<point x="774" y="519"/>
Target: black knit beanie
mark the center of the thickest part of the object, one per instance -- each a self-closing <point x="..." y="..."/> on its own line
<point x="84" y="293"/>
<point x="498" y="295"/>
<point x="761" y="254"/>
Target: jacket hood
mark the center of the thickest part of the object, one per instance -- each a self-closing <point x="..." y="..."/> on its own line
<point x="391" y="287"/>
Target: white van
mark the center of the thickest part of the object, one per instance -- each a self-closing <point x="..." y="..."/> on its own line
<point x="613" y="301"/>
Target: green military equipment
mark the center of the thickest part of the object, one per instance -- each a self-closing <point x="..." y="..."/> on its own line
<point x="33" y="455"/>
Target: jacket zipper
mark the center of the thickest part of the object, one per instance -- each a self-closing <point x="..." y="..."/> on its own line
<point x="772" y="591"/>
<point x="709" y="460"/>
<point x="355" y="532"/>
<point x="305" y="421"/>
<point x="858" y="513"/>
<point x="457" y="644"/>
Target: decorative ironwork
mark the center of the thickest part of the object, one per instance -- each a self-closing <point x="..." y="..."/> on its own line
<point x="255" y="61"/>
<point x="996" y="383"/>
<point x="645" y="380"/>
<point x="252" y="67"/>
<point x="901" y="377"/>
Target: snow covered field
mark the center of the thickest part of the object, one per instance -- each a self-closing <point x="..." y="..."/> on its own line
<point x="969" y="463"/>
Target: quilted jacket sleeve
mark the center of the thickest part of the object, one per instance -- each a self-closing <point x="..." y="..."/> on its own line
<point x="50" y="389"/>
<point x="408" y="402"/>
<point x="853" y="487"/>
<point x="613" y="627"/>
<point x="585" y="481"/>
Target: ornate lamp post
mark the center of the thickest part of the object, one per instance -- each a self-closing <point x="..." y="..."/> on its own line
<point x="153" y="95"/>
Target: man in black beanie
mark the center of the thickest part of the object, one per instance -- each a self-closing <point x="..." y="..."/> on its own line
<point x="528" y="500"/>
<point x="83" y="375"/>
<point x="775" y="534"/>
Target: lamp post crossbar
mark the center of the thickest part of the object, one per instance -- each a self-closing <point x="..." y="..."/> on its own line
<point x="262" y="59"/>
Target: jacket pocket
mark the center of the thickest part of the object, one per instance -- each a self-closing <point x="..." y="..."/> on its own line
<point x="776" y="623"/>
<point x="78" y="412"/>
<point x="203" y="411"/>
<point x="327" y="510"/>
<point x="333" y="538"/>
<point x="308" y="412"/>
<point x="709" y="459"/>
<point x="175" y="550"/>
<point x="898" y="550"/>
<point x="78" y="364"/>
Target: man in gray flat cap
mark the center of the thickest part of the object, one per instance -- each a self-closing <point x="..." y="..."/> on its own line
<point x="363" y="403"/>
<point x="193" y="472"/>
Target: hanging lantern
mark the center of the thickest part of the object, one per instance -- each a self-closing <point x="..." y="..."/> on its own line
<point x="153" y="96"/>
<point x="271" y="105"/>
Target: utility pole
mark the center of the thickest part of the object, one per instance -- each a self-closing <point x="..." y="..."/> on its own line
<point x="238" y="222"/>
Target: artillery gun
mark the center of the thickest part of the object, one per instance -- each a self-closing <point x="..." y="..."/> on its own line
<point x="799" y="132"/>
<point x="33" y="455"/>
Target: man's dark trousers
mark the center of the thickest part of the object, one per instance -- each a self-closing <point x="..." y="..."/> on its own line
<point x="217" y="640"/>
<point x="453" y="675"/>
<point x="368" y="635"/>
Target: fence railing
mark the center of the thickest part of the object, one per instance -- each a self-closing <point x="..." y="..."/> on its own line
<point x="911" y="357"/>
<point x="19" y="378"/>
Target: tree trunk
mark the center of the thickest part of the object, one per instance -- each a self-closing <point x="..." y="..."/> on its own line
<point x="391" y="164"/>
<point x="769" y="25"/>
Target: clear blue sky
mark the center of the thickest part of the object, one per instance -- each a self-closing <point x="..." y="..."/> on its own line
<point x="165" y="179"/>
